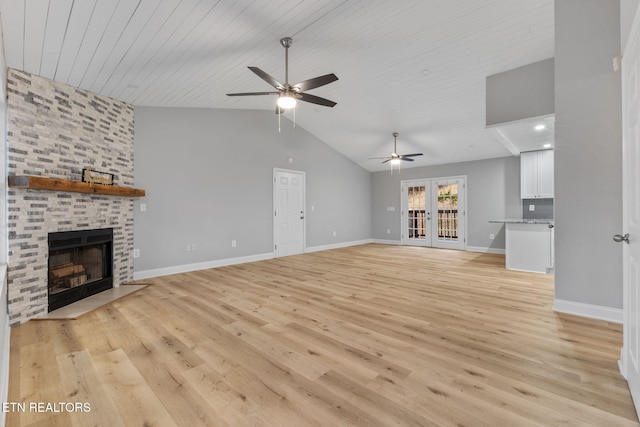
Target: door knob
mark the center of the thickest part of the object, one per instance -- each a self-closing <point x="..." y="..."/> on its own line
<point x="620" y="238"/>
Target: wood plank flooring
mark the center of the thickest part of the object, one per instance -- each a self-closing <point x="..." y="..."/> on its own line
<point x="372" y="335"/>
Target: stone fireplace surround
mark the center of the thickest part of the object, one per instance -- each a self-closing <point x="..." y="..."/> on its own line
<point x="54" y="131"/>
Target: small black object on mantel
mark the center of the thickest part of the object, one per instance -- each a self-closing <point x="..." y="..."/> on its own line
<point x="91" y="176"/>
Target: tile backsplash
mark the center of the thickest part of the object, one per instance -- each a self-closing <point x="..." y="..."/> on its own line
<point x="543" y="208"/>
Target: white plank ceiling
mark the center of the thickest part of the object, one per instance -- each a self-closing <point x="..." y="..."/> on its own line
<point x="416" y="67"/>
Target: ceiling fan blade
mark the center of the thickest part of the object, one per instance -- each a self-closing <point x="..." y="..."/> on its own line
<point x="411" y="155"/>
<point x="315" y="82"/>
<point x="406" y="159"/>
<point x="388" y="160"/>
<point x="267" y="78"/>
<point x="377" y="158"/>
<point x="252" y="93"/>
<point x="316" y="100"/>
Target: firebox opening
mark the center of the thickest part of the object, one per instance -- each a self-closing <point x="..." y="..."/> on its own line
<point x="80" y="265"/>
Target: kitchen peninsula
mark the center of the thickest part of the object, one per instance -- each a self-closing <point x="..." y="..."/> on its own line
<point x="529" y="244"/>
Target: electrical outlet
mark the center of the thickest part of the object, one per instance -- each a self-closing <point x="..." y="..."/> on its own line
<point x="335" y="233"/>
<point x="532" y="208"/>
<point x="143" y="207"/>
<point x="492" y="236"/>
<point x="388" y="231"/>
<point x="136" y="253"/>
<point x="233" y="243"/>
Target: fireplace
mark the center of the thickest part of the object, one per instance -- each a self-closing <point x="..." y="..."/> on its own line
<point x="80" y="265"/>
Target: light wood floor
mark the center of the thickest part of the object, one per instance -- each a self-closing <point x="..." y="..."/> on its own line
<point x="367" y="336"/>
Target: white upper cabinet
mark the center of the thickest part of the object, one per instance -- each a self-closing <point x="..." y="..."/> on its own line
<point x="536" y="174"/>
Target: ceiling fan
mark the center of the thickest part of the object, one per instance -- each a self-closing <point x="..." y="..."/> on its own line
<point x="396" y="158"/>
<point x="289" y="94"/>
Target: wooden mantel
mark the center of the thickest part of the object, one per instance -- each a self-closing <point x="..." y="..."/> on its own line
<point x="53" y="184"/>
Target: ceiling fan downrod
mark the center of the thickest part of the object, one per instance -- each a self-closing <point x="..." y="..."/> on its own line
<point x="286" y="42"/>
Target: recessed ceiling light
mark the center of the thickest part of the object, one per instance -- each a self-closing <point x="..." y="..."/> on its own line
<point x="540" y="127"/>
<point x="546" y="146"/>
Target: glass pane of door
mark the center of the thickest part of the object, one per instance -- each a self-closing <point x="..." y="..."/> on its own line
<point x="447" y="212"/>
<point x="448" y="205"/>
<point x="416" y="213"/>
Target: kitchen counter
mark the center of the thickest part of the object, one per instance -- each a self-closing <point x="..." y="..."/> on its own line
<point x="529" y="244"/>
<point x="522" y="221"/>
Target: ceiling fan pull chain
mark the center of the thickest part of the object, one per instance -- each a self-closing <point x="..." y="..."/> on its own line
<point x="279" y="131"/>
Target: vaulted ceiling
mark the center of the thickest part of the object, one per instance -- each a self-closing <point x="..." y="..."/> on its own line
<point x="416" y="67"/>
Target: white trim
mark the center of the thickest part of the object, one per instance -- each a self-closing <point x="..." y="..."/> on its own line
<point x="486" y="250"/>
<point x="165" y="271"/>
<point x="337" y="245"/>
<point x="387" y="242"/>
<point x="635" y="28"/>
<point x="588" y="310"/>
<point x="499" y="135"/>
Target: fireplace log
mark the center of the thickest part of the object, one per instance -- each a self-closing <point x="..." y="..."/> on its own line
<point x="66" y="270"/>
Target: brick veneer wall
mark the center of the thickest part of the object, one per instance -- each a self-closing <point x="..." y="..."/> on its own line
<point x="55" y="130"/>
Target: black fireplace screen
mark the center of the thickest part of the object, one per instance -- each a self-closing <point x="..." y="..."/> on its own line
<point x="80" y="265"/>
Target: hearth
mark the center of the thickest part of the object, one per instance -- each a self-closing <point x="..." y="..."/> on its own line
<point x="80" y="265"/>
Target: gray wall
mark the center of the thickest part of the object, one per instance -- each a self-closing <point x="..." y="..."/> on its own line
<point x="493" y="192"/>
<point x="208" y="176"/>
<point x="520" y="93"/>
<point x="588" y="153"/>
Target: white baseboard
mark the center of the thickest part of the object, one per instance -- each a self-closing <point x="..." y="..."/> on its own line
<point x="486" y="250"/>
<point x="337" y="245"/>
<point x="165" y="271"/>
<point x="387" y="242"/>
<point x="588" y="310"/>
<point x="468" y="248"/>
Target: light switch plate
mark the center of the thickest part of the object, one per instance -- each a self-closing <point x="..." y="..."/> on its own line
<point x="532" y="208"/>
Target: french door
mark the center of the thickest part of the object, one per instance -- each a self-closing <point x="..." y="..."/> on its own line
<point x="288" y="212"/>
<point x="433" y="212"/>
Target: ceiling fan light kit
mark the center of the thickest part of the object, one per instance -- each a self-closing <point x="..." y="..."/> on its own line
<point x="395" y="159"/>
<point x="288" y="95"/>
<point x="286" y="101"/>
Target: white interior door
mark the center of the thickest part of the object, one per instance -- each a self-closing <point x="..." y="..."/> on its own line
<point x="416" y="213"/>
<point x="288" y="214"/>
<point x="630" y="239"/>
<point x="448" y="212"/>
